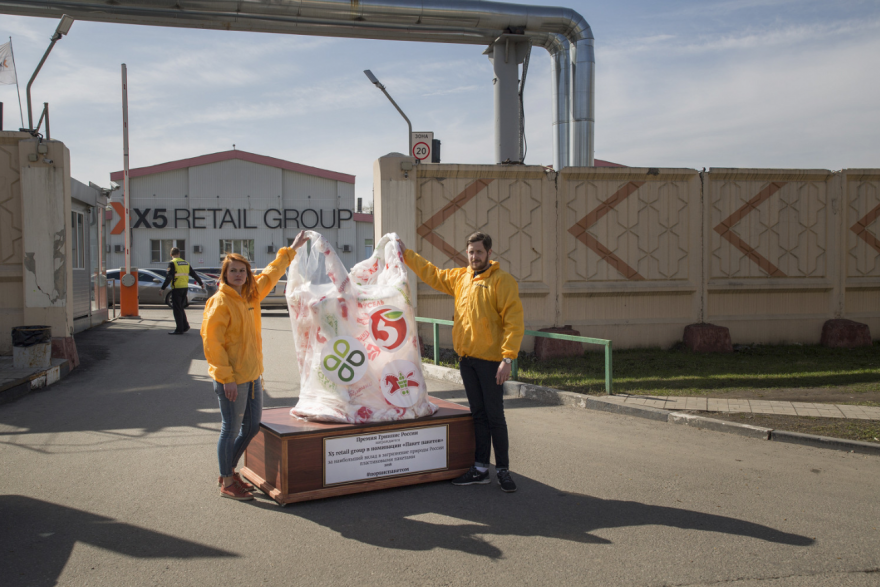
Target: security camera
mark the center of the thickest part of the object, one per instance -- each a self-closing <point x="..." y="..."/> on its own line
<point x="47" y="160"/>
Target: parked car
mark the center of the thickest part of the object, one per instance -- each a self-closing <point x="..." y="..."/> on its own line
<point x="213" y="272"/>
<point x="211" y="284"/>
<point x="276" y="297"/>
<point x="149" y="288"/>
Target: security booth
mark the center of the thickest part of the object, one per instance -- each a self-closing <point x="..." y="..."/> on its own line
<point x="87" y="255"/>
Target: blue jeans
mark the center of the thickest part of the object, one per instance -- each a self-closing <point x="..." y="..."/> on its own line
<point x="241" y="422"/>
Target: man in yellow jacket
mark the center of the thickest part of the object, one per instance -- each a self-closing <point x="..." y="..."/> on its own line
<point x="487" y="335"/>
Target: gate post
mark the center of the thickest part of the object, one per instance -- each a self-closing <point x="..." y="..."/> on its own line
<point x="394" y="204"/>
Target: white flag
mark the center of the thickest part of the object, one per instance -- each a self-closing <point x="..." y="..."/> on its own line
<point x="7" y="67"/>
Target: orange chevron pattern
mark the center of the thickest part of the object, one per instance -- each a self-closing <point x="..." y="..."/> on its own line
<point x="579" y="230"/>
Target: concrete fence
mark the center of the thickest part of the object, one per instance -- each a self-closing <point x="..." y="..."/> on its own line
<point x="636" y="254"/>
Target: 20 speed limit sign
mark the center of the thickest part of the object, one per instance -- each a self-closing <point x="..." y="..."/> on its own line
<point x="422" y="143"/>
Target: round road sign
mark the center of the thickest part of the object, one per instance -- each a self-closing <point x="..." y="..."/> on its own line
<point x="421" y="151"/>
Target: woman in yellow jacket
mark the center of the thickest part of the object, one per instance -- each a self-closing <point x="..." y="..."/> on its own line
<point x="234" y="349"/>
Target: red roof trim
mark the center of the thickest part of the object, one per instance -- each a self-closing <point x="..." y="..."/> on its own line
<point x="229" y="155"/>
<point x="600" y="163"/>
<point x="358" y="217"/>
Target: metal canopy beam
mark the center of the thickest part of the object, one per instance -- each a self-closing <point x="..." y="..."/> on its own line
<point x="562" y="31"/>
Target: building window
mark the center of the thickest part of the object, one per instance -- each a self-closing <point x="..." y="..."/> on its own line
<point x="368" y="248"/>
<point x="244" y="247"/>
<point x="160" y="250"/>
<point x="77" y="240"/>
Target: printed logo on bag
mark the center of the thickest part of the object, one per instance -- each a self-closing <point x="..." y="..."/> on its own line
<point x="402" y="384"/>
<point x="344" y="360"/>
<point x="388" y="327"/>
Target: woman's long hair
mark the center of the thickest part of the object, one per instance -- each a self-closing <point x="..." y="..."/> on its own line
<point x="249" y="289"/>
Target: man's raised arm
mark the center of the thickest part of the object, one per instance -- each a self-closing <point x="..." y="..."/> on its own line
<point x="439" y="279"/>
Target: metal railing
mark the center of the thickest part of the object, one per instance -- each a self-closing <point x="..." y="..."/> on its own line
<point x="514" y="372"/>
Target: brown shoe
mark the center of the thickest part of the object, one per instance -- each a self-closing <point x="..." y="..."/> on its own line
<point x="242" y="483"/>
<point x="233" y="491"/>
<point x="238" y="480"/>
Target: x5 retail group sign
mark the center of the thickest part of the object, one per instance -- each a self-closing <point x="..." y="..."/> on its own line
<point x="223" y="218"/>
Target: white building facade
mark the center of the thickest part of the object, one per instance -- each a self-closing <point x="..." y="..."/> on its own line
<point x="234" y="201"/>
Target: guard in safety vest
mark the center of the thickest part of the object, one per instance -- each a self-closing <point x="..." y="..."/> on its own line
<point x="179" y="272"/>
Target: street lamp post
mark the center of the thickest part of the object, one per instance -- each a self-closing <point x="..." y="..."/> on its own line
<point x="379" y="85"/>
<point x="62" y="29"/>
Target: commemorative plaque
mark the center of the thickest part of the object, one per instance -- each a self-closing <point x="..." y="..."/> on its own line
<point x="292" y="460"/>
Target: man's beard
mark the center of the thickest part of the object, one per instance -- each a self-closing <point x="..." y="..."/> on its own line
<point x="482" y="267"/>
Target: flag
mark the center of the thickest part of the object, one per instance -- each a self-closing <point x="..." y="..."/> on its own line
<point x="7" y="66"/>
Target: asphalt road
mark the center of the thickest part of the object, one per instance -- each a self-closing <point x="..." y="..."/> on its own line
<point x="109" y="478"/>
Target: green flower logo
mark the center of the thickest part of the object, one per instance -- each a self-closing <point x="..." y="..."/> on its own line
<point x="345" y="360"/>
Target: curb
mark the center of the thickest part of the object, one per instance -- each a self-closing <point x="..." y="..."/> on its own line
<point x="557" y="397"/>
<point x="720" y="425"/>
<point x="856" y="446"/>
<point x="18" y="389"/>
<point x="442" y="373"/>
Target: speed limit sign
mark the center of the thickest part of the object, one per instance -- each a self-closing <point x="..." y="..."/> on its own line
<point x="422" y="143"/>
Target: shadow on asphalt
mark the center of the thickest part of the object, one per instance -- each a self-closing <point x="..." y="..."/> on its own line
<point x="438" y="515"/>
<point x="36" y="551"/>
<point x="127" y="380"/>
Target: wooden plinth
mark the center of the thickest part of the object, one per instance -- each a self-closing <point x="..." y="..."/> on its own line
<point x="286" y="459"/>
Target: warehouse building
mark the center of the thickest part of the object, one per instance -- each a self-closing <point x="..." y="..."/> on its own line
<point x="234" y="202"/>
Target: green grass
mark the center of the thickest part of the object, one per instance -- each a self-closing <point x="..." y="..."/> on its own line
<point x="681" y="372"/>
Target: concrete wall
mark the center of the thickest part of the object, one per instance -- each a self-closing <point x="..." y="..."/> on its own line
<point x="11" y="257"/>
<point x="35" y="275"/>
<point x="636" y="254"/>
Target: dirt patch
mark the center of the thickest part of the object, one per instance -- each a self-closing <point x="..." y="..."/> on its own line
<point x="848" y="429"/>
<point x="94" y="345"/>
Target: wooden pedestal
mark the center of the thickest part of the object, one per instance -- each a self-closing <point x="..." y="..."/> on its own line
<point x="287" y="459"/>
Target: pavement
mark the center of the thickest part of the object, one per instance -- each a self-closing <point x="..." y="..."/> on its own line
<point x="782" y="408"/>
<point x="110" y="479"/>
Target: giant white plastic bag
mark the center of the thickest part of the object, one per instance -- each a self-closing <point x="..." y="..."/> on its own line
<point x="355" y="336"/>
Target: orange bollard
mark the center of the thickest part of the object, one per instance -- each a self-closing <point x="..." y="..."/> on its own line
<point x="128" y="295"/>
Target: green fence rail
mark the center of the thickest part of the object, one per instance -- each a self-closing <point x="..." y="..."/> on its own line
<point x="514" y="372"/>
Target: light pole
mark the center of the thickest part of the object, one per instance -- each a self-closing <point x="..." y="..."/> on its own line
<point x="62" y="29"/>
<point x="379" y="85"/>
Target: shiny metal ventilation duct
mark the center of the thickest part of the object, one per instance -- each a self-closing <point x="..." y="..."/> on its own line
<point x="563" y="32"/>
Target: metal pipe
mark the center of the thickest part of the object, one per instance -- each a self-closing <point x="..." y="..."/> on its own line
<point x="44" y="114"/>
<point x="445" y="21"/>
<point x="583" y="77"/>
<point x="381" y="86"/>
<point x="33" y="77"/>
<point x="506" y="68"/>
<point x="62" y="29"/>
<point x="405" y="117"/>
<point x="560" y="72"/>
<point x="126" y="193"/>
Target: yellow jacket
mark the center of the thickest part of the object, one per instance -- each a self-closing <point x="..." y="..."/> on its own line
<point x="488" y="312"/>
<point x="231" y="332"/>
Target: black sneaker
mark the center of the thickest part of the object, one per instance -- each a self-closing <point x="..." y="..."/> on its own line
<point x="472" y="477"/>
<point x="505" y="481"/>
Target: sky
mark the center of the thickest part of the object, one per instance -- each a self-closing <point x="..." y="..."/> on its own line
<point x="679" y="83"/>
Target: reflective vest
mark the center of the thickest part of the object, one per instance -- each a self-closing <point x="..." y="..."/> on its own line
<point x="181" y="273"/>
